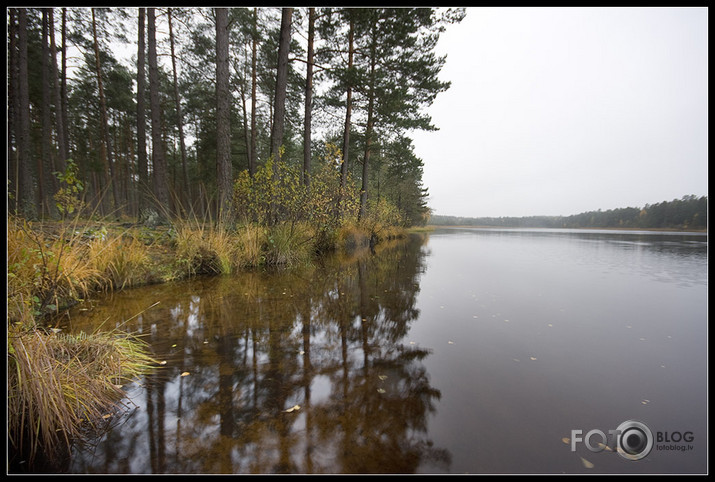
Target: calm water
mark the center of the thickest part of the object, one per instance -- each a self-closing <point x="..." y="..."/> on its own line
<point x="465" y="351"/>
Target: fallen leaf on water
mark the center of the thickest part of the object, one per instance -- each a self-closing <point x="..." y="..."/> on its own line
<point x="380" y="390"/>
<point x="645" y="402"/>
<point x="173" y="346"/>
<point x="382" y="377"/>
<point x="515" y="359"/>
<point x="162" y="362"/>
<point x="185" y="374"/>
<point x="292" y="409"/>
<point x="605" y="447"/>
<point x="586" y="463"/>
<point x="451" y="342"/>
<point x="533" y="358"/>
<point x="206" y="342"/>
<point x="566" y="440"/>
<point x="105" y="417"/>
<point x="550" y="325"/>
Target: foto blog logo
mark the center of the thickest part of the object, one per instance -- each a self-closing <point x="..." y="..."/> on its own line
<point x="632" y="440"/>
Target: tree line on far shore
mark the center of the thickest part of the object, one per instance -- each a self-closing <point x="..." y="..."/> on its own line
<point x="690" y="212"/>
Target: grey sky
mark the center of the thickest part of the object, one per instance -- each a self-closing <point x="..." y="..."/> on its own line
<point x="556" y="111"/>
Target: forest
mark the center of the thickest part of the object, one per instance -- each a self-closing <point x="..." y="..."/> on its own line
<point x="148" y="145"/>
<point x="137" y="112"/>
<point x="688" y="213"/>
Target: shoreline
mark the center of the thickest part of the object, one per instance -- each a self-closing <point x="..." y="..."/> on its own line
<point x="663" y="230"/>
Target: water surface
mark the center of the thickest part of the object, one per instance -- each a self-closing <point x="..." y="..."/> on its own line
<point x="465" y="351"/>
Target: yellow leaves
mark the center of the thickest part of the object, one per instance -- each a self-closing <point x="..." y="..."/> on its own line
<point x="292" y="409"/>
<point x="586" y="463"/>
<point x="185" y="374"/>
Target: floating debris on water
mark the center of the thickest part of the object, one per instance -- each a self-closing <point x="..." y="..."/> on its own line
<point x="586" y="463"/>
<point x="292" y="409"/>
<point x="185" y="374"/>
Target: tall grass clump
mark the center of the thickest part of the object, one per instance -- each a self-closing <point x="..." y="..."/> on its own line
<point x="205" y="248"/>
<point x="46" y="270"/>
<point x="123" y="261"/>
<point x="250" y="240"/>
<point x="289" y="244"/>
<point x="58" y="385"/>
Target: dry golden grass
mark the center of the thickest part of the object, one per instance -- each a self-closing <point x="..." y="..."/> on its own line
<point x="122" y="262"/>
<point x="45" y="270"/>
<point x="58" y="384"/>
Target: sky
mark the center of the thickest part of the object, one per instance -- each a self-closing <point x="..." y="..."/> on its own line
<point x="558" y="111"/>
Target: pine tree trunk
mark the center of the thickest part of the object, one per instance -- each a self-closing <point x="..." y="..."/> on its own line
<point x="48" y="180"/>
<point x="308" y="99"/>
<point x="13" y="108"/>
<point x="223" y="117"/>
<point x="348" y="108"/>
<point x="180" y="122"/>
<point x="160" y="181"/>
<point x="254" y="41"/>
<point x="281" y="85"/>
<point x="63" y="83"/>
<point x="142" y="160"/>
<point x="59" y="121"/>
<point x="369" y="128"/>
<point x="105" y="148"/>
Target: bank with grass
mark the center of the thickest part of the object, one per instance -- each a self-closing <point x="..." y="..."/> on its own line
<point x="60" y="386"/>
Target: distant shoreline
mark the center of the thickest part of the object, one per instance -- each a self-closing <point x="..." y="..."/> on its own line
<point x="666" y="230"/>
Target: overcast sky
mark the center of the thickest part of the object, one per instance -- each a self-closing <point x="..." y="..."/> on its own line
<point x="557" y="111"/>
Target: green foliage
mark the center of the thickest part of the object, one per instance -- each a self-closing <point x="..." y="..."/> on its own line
<point x="69" y="196"/>
<point x="276" y="193"/>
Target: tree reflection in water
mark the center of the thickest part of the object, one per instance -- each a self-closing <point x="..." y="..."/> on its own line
<point x="328" y="341"/>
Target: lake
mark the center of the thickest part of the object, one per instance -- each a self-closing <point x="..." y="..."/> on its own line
<point x="463" y="350"/>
